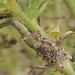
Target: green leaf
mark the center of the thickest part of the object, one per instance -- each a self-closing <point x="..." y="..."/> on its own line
<point x="32" y="8"/>
<point x="54" y="32"/>
<point x="41" y="9"/>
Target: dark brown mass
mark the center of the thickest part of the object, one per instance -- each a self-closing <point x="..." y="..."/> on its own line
<point x="54" y="55"/>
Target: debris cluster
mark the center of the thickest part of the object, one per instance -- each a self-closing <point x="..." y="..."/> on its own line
<point x="52" y="53"/>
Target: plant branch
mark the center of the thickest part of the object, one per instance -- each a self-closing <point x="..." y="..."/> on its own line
<point x="26" y="36"/>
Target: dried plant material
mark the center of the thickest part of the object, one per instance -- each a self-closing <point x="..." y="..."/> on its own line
<point x="36" y="35"/>
<point x="61" y="39"/>
<point x="53" y="54"/>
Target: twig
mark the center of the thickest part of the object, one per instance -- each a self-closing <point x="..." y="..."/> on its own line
<point x="39" y="67"/>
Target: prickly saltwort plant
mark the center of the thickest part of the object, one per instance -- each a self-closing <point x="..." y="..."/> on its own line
<point x="24" y="19"/>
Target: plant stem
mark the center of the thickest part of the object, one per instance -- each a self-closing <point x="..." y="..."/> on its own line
<point x="25" y="34"/>
<point x="68" y="68"/>
<point x="15" y="10"/>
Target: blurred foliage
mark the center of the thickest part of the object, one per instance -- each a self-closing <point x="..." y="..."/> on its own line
<point x="15" y="59"/>
<point x="32" y="8"/>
